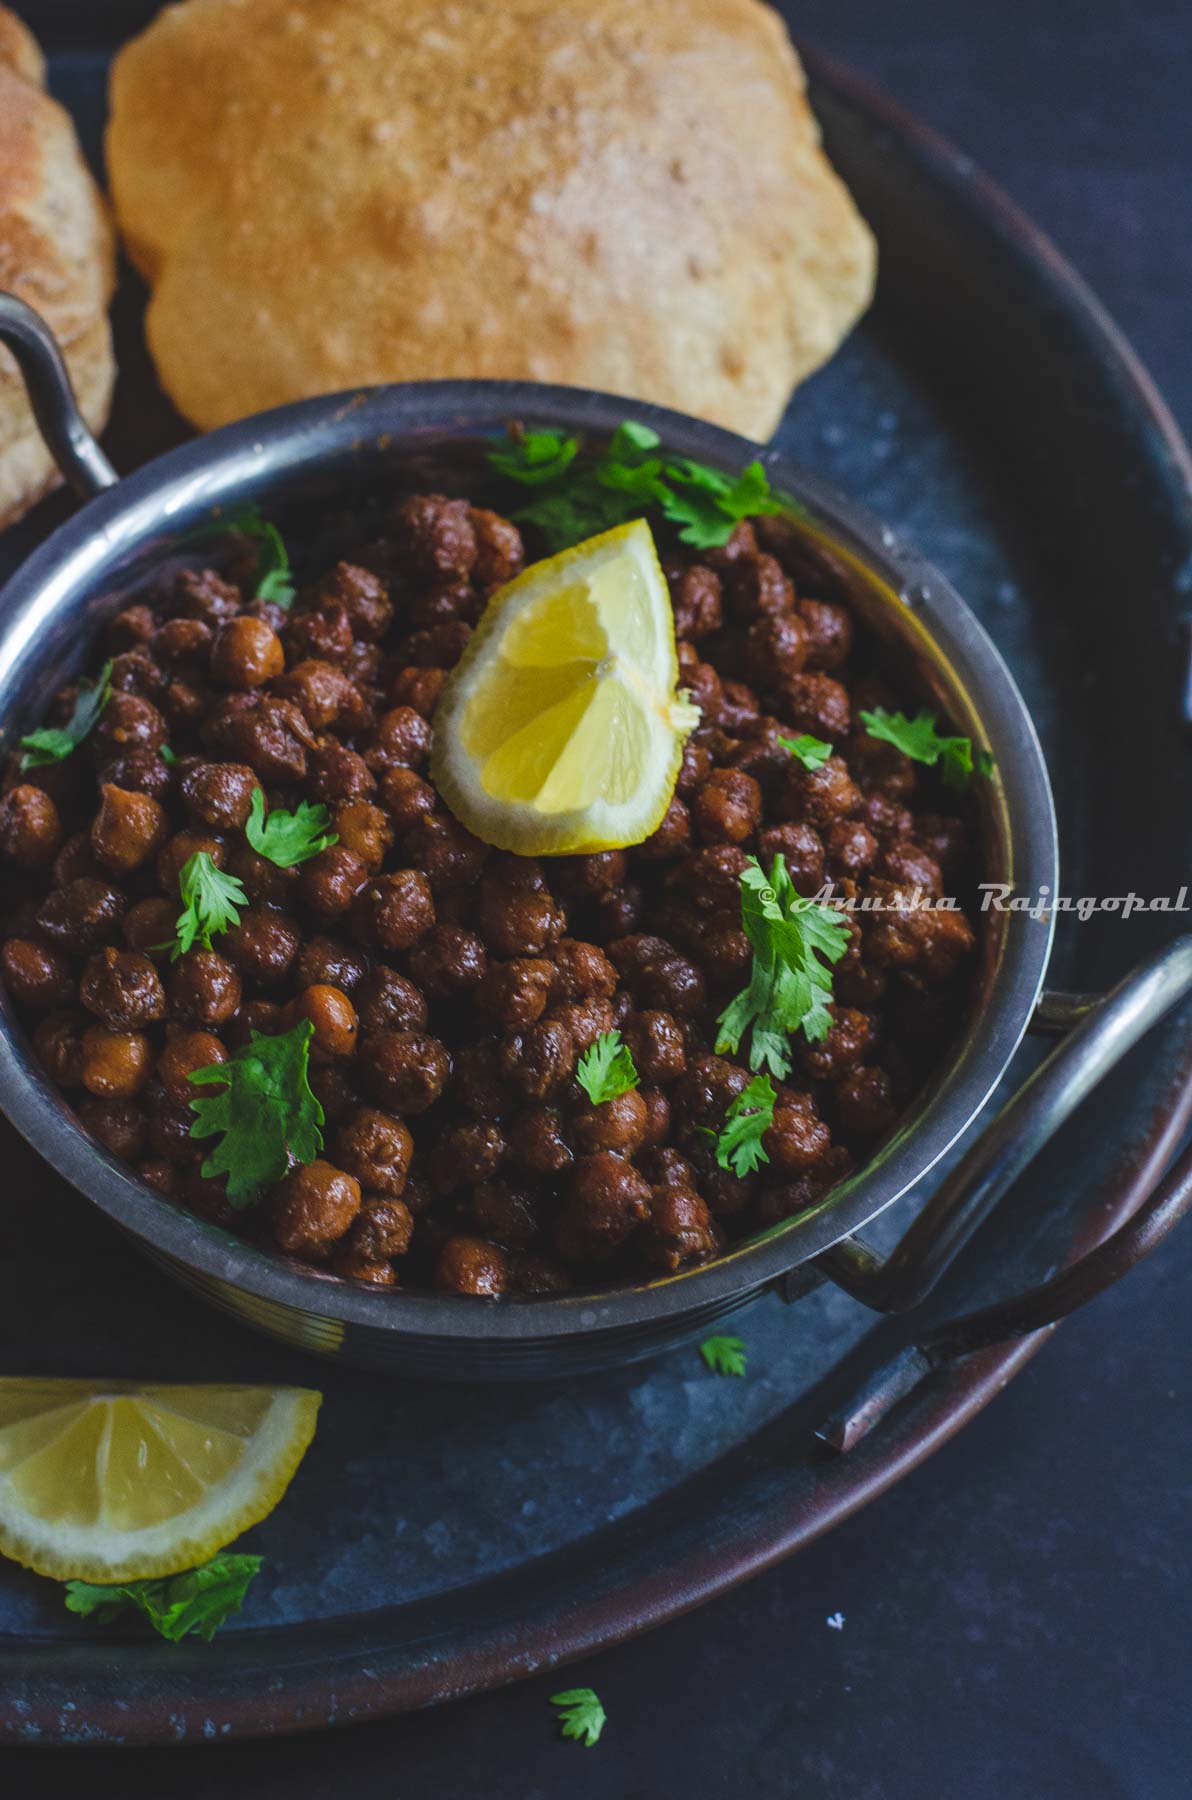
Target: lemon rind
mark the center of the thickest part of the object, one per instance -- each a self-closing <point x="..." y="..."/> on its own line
<point x="227" y="1509"/>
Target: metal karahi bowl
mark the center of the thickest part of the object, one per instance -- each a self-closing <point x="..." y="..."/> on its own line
<point x="331" y="460"/>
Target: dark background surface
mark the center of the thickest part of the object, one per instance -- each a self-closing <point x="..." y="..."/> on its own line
<point x="1016" y="1614"/>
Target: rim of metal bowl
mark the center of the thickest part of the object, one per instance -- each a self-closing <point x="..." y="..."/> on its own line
<point x="259" y="454"/>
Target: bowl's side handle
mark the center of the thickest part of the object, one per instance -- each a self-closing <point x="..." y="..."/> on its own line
<point x="1103" y="1035"/>
<point x="83" y="464"/>
<point x="1105" y="1031"/>
<point x="1038" y="1309"/>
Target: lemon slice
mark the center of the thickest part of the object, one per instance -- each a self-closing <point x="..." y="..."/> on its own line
<point x="560" y="730"/>
<point x="108" y="1481"/>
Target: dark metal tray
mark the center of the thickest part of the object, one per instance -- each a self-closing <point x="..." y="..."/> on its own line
<point x="438" y="1540"/>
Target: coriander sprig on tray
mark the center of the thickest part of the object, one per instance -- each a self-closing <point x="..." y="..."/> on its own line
<point x="199" y="1600"/>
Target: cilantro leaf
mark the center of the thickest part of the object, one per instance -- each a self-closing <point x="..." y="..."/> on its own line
<point x="790" y="985"/>
<point x="581" y="1715"/>
<point x="749" y="1117"/>
<point x="812" y="752"/>
<point x="606" y="1069"/>
<point x="199" y="1600"/>
<point x="169" y="757"/>
<point x="709" y="505"/>
<point x="274" y="575"/>
<point x="55" y="742"/>
<point x="629" y="477"/>
<point x="535" y="458"/>
<point x="631" y="439"/>
<point x="287" y="838"/>
<point x="919" y="739"/>
<point x="266" y="1112"/>
<point x="724" y="1355"/>
<point x="210" y="900"/>
<point x="577" y="511"/>
<point x="275" y="578"/>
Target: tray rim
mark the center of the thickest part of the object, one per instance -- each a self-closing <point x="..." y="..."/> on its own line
<point x="333" y="1682"/>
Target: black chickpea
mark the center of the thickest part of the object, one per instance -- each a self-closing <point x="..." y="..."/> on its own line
<point x="204" y="988"/>
<point x="82" y="915"/>
<point x="330" y="962"/>
<point x="376" y="1148"/>
<point x="405" y="798"/>
<point x="618" y="1124"/>
<point x="149" y="926"/>
<point x="58" y="1045"/>
<point x="116" y="1064"/>
<point x="315" y="1206"/>
<point x="30" y="828"/>
<point x="364" y="829"/>
<point x="516" y="992"/>
<point x="185" y="1052"/>
<point x="538" y="1142"/>
<point x="128" y="829"/>
<point x="119" y="1125"/>
<point x="330" y="881"/>
<point x="469" y="1265"/>
<point x="407" y="1070"/>
<point x="246" y="654"/>
<point x="123" y="989"/>
<point x="175" y="855"/>
<point x="36" y="975"/>
<point x="387" y="1001"/>
<point x="394" y="911"/>
<point x="263" y="946"/>
<point x="218" y="795"/>
<point x="331" y="1014"/>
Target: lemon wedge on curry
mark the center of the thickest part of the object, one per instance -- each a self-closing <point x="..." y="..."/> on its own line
<point x="108" y="1481"/>
<point x="560" y="730"/>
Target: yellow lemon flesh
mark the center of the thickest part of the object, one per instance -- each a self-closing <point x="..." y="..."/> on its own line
<point x="560" y="730"/>
<point x="107" y="1481"/>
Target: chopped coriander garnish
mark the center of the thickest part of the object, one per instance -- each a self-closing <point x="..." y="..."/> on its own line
<point x="266" y="1112"/>
<point x="724" y="1355"/>
<point x="606" y="1069"/>
<point x="919" y="739"/>
<point x="576" y="500"/>
<point x="199" y="1600"/>
<point x="749" y="1117"/>
<point x="275" y="579"/>
<point x="812" y="752"/>
<point x="169" y="757"/>
<point x="581" y="1715"/>
<point x="287" y="838"/>
<point x="789" y="985"/>
<point x="55" y="742"/>
<point x="535" y="457"/>
<point x="274" y="575"/>
<point x="210" y="902"/>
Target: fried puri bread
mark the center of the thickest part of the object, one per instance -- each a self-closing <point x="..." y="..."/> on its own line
<point x="56" y="252"/>
<point x="330" y="193"/>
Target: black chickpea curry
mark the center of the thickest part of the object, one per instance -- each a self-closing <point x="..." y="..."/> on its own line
<point x="447" y="922"/>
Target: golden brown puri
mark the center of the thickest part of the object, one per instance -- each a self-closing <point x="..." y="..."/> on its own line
<point x="56" y="252"/>
<point x="328" y="193"/>
<point x="20" y="50"/>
